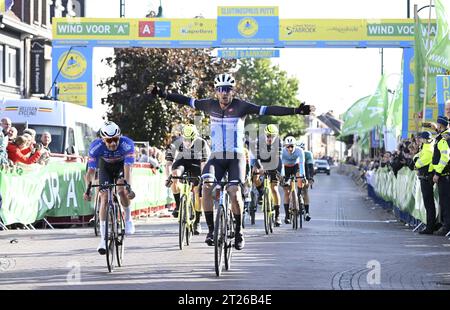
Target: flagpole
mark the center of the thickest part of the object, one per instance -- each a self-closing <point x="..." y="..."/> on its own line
<point x="427" y="43"/>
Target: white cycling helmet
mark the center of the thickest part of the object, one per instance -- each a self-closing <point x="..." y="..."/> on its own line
<point x="302" y="145"/>
<point x="290" y="140"/>
<point x="224" y="79"/>
<point x="109" y="130"/>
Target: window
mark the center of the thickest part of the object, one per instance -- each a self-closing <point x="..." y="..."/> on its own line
<point x="84" y="135"/>
<point x="11" y="66"/>
<point x="37" y="11"/>
<point x="2" y="66"/>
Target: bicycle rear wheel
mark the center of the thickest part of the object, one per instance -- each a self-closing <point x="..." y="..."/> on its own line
<point x="293" y="206"/>
<point x="220" y="238"/>
<point x="182" y="222"/>
<point x="228" y="246"/>
<point x="96" y="214"/>
<point x="110" y="240"/>
<point x="301" y="207"/>
<point x="120" y="240"/>
<point x="266" y="211"/>
<point x="189" y="221"/>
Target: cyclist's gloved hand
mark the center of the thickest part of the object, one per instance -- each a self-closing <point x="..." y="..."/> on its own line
<point x="305" y="109"/>
<point x="87" y="196"/>
<point x="168" y="182"/>
<point x="131" y="195"/>
<point x="158" y="90"/>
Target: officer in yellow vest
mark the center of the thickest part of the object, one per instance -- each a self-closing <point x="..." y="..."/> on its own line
<point x="423" y="165"/>
<point x="442" y="172"/>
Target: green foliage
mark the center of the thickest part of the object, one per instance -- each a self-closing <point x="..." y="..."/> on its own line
<point x="265" y="84"/>
<point x="187" y="71"/>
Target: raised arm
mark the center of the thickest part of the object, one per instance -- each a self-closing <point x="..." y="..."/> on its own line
<point x="178" y="98"/>
<point x="275" y="110"/>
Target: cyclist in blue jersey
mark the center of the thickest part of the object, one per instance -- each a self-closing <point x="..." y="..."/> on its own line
<point x="309" y="172"/>
<point x="113" y="155"/>
<point x="293" y="160"/>
<point x="227" y="115"/>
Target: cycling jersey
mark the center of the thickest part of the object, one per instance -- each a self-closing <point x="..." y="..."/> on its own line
<point x="309" y="165"/>
<point x="198" y="151"/>
<point x="308" y="157"/>
<point x="295" y="158"/>
<point x="227" y="126"/>
<point x="124" y="152"/>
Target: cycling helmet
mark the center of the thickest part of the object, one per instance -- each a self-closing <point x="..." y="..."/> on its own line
<point x="290" y="140"/>
<point x="224" y="79"/>
<point x="302" y="145"/>
<point x="109" y="130"/>
<point x="271" y="129"/>
<point x="189" y="132"/>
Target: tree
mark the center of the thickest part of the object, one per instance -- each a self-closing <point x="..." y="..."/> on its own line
<point x="265" y="84"/>
<point x="143" y="117"/>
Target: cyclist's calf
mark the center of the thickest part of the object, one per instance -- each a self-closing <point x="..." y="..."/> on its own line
<point x="237" y="205"/>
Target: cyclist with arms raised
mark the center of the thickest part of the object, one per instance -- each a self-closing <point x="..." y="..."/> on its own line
<point x="227" y="116"/>
<point x="114" y="156"/>
<point x="187" y="154"/>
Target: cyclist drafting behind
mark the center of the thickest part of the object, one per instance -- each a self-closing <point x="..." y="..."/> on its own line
<point x="269" y="158"/>
<point x="114" y="155"/>
<point x="227" y="142"/>
<point x="309" y="172"/>
<point x="187" y="154"/>
<point x="293" y="161"/>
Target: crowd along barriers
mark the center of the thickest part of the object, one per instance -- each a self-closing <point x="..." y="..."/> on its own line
<point x="55" y="191"/>
<point x="402" y="194"/>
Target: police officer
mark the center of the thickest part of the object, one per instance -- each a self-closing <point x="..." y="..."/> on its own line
<point x="442" y="172"/>
<point x="423" y="164"/>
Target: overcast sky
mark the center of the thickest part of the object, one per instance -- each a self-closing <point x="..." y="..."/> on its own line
<point x="331" y="79"/>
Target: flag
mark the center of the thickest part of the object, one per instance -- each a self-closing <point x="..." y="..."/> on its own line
<point x="395" y="109"/>
<point x="6" y="5"/>
<point x="376" y="109"/>
<point x="423" y="42"/>
<point x="439" y="54"/>
<point x="352" y="117"/>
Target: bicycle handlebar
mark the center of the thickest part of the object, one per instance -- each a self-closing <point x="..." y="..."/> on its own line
<point x="107" y="186"/>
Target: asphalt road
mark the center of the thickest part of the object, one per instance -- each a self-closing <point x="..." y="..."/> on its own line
<point x="350" y="243"/>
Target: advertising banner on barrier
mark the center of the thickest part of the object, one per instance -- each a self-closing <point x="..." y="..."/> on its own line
<point x="57" y="190"/>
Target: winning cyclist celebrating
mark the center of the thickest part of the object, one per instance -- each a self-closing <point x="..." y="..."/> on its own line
<point x="294" y="164"/>
<point x="187" y="154"/>
<point x="269" y="158"/>
<point x="227" y="138"/>
<point x="113" y="154"/>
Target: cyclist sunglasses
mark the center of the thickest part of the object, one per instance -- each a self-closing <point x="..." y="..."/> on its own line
<point x="111" y="140"/>
<point x="290" y="146"/>
<point x="224" y="89"/>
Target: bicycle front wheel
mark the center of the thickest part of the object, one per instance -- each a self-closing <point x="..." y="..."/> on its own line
<point x="293" y="206"/>
<point x="96" y="214"/>
<point x="220" y="238"/>
<point x="189" y="222"/>
<point x="110" y="240"/>
<point x="228" y="246"/>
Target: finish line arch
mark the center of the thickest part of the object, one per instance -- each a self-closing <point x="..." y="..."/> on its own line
<point x="235" y="28"/>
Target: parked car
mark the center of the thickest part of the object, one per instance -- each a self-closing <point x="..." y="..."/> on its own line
<point x="321" y="165"/>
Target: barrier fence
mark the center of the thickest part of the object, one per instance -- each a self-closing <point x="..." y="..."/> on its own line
<point x="56" y="190"/>
<point x="401" y="193"/>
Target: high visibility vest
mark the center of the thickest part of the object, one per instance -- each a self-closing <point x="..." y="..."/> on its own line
<point x="441" y="153"/>
<point x="425" y="159"/>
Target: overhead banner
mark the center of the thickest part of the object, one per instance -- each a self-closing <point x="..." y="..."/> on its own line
<point x="135" y="32"/>
<point x="255" y="26"/>
<point x="72" y="71"/>
<point x="347" y="32"/>
<point x="248" y="53"/>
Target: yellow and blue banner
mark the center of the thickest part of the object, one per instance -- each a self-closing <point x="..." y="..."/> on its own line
<point x="247" y="26"/>
<point x="6" y="5"/>
<point x="72" y="69"/>
<point x="442" y="91"/>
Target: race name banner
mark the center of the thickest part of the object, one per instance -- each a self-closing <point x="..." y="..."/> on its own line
<point x="248" y="53"/>
<point x="241" y="26"/>
<point x="135" y="32"/>
<point x="347" y="32"/>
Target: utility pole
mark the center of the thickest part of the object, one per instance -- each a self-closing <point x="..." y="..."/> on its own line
<point x="122" y="8"/>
